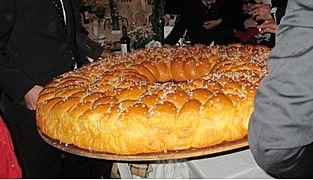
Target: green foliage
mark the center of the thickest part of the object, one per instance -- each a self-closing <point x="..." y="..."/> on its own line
<point x="140" y="36"/>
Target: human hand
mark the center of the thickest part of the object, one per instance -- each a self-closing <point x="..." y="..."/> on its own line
<point x="32" y="96"/>
<point x="212" y="23"/>
<point x="259" y="11"/>
<point x="268" y="26"/>
<point x="250" y="23"/>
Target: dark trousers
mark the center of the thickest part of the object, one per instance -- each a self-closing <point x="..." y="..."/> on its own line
<point x="304" y="169"/>
<point x="40" y="160"/>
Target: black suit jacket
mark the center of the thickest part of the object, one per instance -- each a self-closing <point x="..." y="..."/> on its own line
<point x="34" y="46"/>
<point x="195" y="13"/>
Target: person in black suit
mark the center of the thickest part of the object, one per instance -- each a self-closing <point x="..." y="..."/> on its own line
<point x="37" y="43"/>
<point x="206" y="21"/>
<point x="173" y="7"/>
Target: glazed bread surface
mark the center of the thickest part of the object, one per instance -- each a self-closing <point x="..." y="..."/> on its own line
<point x="155" y="100"/>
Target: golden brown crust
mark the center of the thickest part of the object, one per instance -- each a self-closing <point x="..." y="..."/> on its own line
<point x="155" y="100"/>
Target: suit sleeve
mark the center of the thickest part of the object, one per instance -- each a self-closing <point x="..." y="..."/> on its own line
<point x="281" y="125"/>
<point x="88" y="47"/>
<point x="177" y="31"/>
<point x="12" y="80"/>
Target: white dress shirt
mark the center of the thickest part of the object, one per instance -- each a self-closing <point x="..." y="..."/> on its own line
<point x="63" y="12"/>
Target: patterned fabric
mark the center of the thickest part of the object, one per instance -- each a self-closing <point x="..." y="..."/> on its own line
<point x="140" y="170"/>
<point x="9" y="167"/>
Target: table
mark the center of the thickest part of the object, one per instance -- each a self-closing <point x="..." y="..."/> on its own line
<point x="239" y="164"/>
<point x="98" y="33"/>
<point x="234" y="164"/>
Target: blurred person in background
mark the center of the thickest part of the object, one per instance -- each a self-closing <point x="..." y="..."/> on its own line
<point x="261" y="20"/>
<point x="268" y="14"/>
<point x="206" y="21"/>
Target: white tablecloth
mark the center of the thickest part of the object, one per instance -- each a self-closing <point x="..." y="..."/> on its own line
<point x="236" y="164"/>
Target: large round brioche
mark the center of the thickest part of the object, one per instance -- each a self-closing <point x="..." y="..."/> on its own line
<point x="155" y="100"/>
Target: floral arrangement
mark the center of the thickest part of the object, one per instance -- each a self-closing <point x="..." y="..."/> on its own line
<point x="140" y="36"/>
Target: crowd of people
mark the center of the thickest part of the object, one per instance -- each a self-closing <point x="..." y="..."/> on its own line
<point x="224" y="22"/>
<point x="206" y="21"/>
<point x="42" y="39"/>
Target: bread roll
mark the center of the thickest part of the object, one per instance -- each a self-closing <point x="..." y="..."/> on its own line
<point x="155" y="100"/>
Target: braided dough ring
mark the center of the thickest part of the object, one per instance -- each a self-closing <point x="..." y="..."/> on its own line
<point x="155" y="100"/>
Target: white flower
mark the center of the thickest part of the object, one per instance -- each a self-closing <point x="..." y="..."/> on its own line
<point x="140" y="36"/>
